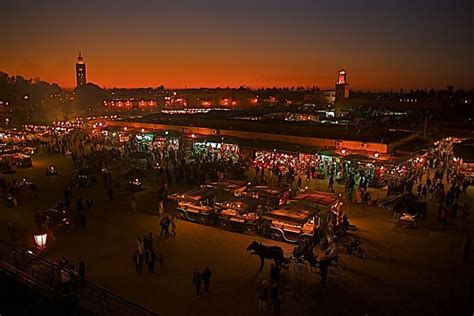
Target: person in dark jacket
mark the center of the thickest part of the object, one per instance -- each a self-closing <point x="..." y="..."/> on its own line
<point x="206" y="278"/>
<point x="138" y="262"/>
<point x="150" y="259"/>
<point x="197" y="281"/>
<point x="275" y="296"/>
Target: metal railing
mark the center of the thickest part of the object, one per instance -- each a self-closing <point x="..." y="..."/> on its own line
<point x="55" y="281"/>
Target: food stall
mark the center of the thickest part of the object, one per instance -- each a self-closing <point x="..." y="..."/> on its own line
<point x="216" y="147"/>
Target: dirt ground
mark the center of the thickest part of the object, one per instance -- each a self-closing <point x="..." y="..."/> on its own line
<point x="408" y="271"/>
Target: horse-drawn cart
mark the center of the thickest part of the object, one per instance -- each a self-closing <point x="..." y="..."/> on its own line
<point x="292" y="223"/>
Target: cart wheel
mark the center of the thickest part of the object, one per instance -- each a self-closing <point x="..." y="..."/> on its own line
<point x="224" y="224"/>
<point x="182" y="215"/>
<point x="276" y="235"/>
<point x="250" y="229"/>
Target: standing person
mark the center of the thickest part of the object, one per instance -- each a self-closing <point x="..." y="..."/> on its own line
<point x="150" y="240"/>
<point x="423" y="192"/>
<point x="206" y="278"/>
<point x="82" y="270"/>
<point x="274" y="274"/>
<point x="138" y="262"/>
<point x="197" y="281"/>
<point x="467" y="248"/>
<point x="263" y="296"/>
<point x="323" y="272"/>
<point x="140" y="246"/>
<point x="275" y="296"/>
<point x="163" y="224"/>
<point x="331" y="183"/>
<point x="150" y="259"/>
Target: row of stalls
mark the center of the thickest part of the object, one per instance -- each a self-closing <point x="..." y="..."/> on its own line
<point x="280" y="158"/>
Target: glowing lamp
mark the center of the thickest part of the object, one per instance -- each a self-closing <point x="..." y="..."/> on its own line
<point x="376" y="155"/>
<point x="40" y="240"/>
<point x="142" y="130"/>
<point x="343" y="151"/>
<point x="125" y="128"/>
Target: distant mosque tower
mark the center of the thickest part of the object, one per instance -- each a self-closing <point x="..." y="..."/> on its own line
<point x="80" y="71"/>
<point x="342" y="87"/>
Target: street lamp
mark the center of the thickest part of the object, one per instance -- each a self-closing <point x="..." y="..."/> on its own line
<point x="40" y="240"/>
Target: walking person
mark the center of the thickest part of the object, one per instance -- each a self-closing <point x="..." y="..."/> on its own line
<point x="150" y="241"/>
<point x="164" y="223"/>
<point x="150" y="259"/>
<point x="140" y="247"/>
<point x="138" y="262"/>
<point x="263" y="296"/>
<point x="275" y="296"/>
<point x="331" y="183"/>
<point x="274" y="274"/>
<point x="206" y="278"/>
<point x="197" y="282"/>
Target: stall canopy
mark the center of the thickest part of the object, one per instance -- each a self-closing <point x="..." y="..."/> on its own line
<point x="405" y="203"/>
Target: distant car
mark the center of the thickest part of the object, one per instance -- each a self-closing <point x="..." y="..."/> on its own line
<point x="53" y="218"/>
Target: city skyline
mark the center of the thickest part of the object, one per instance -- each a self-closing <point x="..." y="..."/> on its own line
<point x="386" y="46"/>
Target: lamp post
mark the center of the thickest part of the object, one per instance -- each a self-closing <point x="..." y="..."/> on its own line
<point x="40" y="240"/>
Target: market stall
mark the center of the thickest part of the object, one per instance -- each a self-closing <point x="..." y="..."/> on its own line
<point x="216" y="148"/>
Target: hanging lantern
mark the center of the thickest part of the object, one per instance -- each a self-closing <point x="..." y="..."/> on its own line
<point x="40" y="240"/>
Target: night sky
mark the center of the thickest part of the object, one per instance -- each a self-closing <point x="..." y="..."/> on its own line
<point x="384" y="44"/>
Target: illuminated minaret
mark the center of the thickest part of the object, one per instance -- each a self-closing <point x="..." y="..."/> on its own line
<point x="80" y="71"/>
<point x="342" y="87"/>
